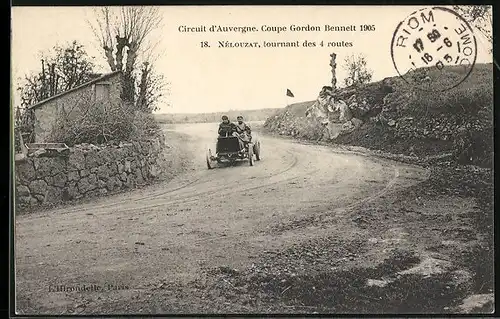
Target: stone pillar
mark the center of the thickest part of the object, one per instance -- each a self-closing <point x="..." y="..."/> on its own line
<point x="333" y="64"/>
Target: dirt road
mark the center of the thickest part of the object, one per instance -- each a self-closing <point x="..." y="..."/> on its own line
<point x="194" y="244"/>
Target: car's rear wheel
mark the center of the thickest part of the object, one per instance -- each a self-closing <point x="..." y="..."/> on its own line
<point x="210" y="164"/>
<point x="250" y="155"/>
<point x="257" y="151"/>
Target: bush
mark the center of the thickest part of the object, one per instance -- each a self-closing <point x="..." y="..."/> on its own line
<point x="468" y="111"/>
<point x="466" y="101"/>
<point x="97" y="123"/>
<point x="144" y="125"/>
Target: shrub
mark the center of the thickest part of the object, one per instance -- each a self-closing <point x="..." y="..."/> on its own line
<point x="94" y="123"/>
<point x="144" y="125"/>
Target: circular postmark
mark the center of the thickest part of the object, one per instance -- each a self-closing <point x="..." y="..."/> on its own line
<point x="434" y="49"/>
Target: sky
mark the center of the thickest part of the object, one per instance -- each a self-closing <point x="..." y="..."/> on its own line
<point x="218" y="79"/>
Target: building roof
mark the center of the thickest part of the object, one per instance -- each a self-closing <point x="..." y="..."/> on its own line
<point x="99" y="79"/>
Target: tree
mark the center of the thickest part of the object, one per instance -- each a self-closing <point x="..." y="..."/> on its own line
<point x="62" y="68"/>
<point x="150" y="89"/>
<point x="480" y="17"/>
<point x="124" y="34"/>
<point x="357" y="70"/>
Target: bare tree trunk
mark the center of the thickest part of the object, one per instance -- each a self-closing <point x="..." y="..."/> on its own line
<point x="52" y="79"/>
<point x="130" y="28"/>
<point x="141" y="103"/>
<point x="121" y="43"/>
<point x="108" y="52"/>
<point x="57" y="84"/>
<point x="131" y="57"/>
<point x="128" y="90"/>
<point x="43" y="94"/>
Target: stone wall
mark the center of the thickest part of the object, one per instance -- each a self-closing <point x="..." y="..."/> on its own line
<point x="87" y="171"/>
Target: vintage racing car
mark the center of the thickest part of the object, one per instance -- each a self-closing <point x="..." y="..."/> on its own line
<point x="229" y="150"/>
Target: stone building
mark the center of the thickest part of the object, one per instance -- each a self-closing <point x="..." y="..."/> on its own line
<point x="106" y="89"/>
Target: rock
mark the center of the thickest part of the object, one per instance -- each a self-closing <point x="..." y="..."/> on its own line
<point x="122" y="144"/>
<point x="123" y="177"/>
<point x="92" y="193"/>
<point x="120" y="167"/>
<point x="129" y="182"/>
<point x="137" y="146"/>
<point x="73" y="176"/>
<point x="476" y="303"/>
<point x="101" y="184"/>
<point x="84" y="173"/>
<point x="111" y="183"/>
<point x="428" y="266"/>
<point x="38" y="187"/>
<point x="118" y="183"/>
<point x="72" y="191"/>
<point x="103" y="172"/>
<point x="39" y="152"/>
<point x="138" y="176"/>
<point x="356" y="122"/>
<point x="76" y="160"/>
<point x="22" y="190"/>
<point x="113" y="168"/>
<point x="352" y="99"/>
<point x="155" y="145"/>
<point x="23" y="200"/>
<point x="53" y="195"/>
<point x="59" y="180"/>
<point x="93" y="159"/>
<point x="25" y="171"/>
<point x="144" y="146"/>
<point x="378" y="283"/>
<point x="106" y="155"/>
<point x="345" y="112"/>
<point x="347" y="126"/>
<point x="93" y="147"/>
<point x="33" y="202"/>
<point x="133" y="165"/>
<point x="462" y="279"/>
<point x="127" y="166"/>
<point x="49" y="166"/>
<point x="87" y="184"/>
<point x="19" y="157"/>
<point x="153" y="171"/>
<point x="391" y="123"/>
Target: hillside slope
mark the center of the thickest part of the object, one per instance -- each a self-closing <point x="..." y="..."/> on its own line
<point x="394" y="116"/>
<point x="249" y="115"/>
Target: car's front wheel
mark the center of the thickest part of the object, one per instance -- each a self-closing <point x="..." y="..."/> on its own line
<point x="257" y="151"/>
<point x="210" y="164"/>
<point x="250" y="155"/>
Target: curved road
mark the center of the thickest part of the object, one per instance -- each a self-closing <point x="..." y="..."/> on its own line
<point x="167" y="234"/>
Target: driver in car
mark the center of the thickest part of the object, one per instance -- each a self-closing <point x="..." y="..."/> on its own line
<point x="226" y="128"/>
